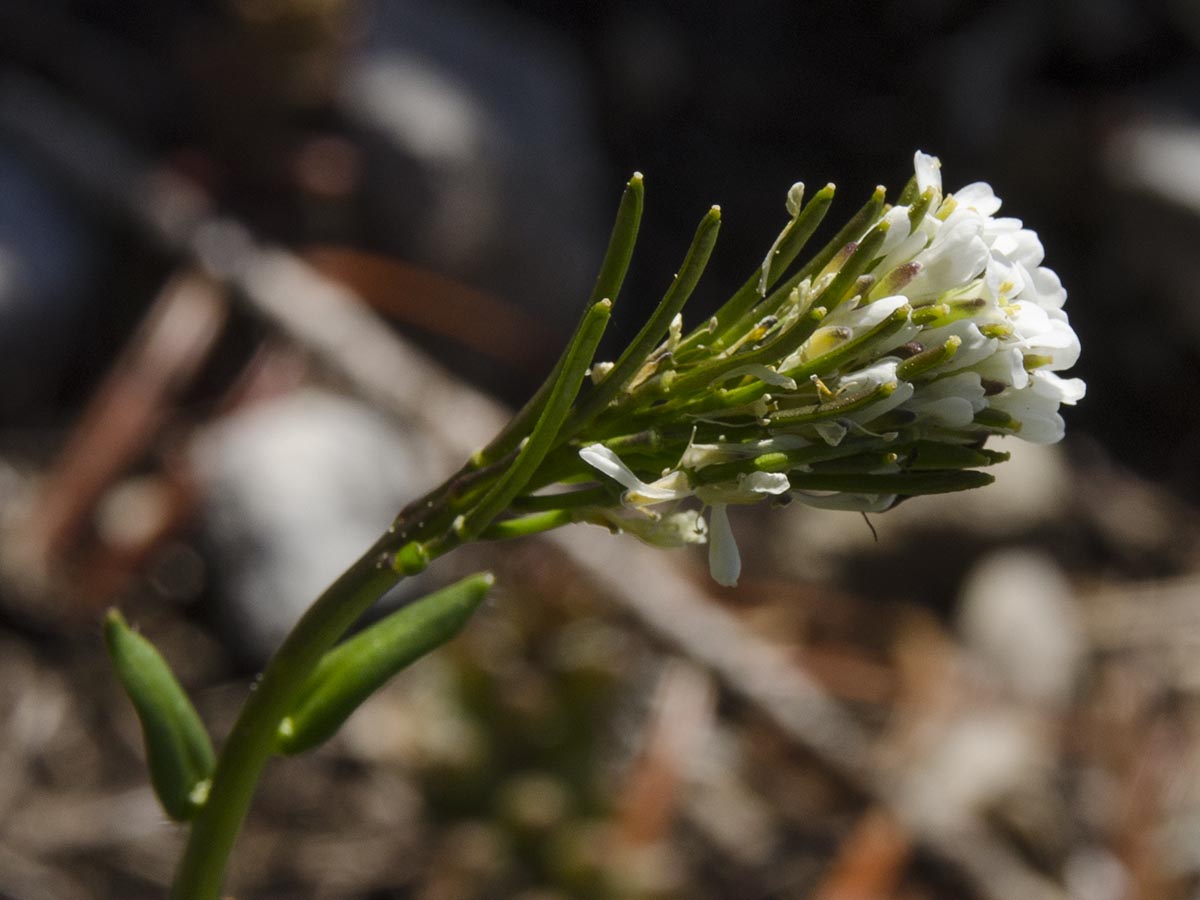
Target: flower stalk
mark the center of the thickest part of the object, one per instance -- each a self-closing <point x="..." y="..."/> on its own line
<point x="875" y="371"/>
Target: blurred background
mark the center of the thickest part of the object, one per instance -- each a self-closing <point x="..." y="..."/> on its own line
<point x="271" y="268"/>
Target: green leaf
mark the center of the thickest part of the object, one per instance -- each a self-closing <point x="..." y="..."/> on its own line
<point x="858" y="224"/>
<point x="608" y="285"/>
<point x="839" y="406"/>
<point x="178" y="750"/>
<point x="656" y="326"/>
<point x="621" y="243"/>
<point x="770" y="353"/>
<point x="850" y="233"/>
<point x="351" y="672"/>
<point x="929" y="455"/>
<point x="541" y="440"/>
<point x="833" y="360"/>
<point x="906" y="484"/>
<point x="729" y="318"/>
<point x="865" y="252"/>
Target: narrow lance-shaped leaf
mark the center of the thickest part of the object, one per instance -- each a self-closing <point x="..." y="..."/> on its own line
<point x="858" y="223"/>
<point x="861" y="255"/>
<point x="905" y="484"/>
<point x="828" y="361"/>
<point x="656" y="326"/>
<point x="576" y="362"/>
<point x="731" y="319"/>
<point x="621" y="242"/>
<point x="351" y="672"/>
<point x="613" y="268"/>
<point x="178" y="750"/>
<point x="851" y="231"/>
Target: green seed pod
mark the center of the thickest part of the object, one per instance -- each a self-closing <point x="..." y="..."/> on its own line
<point x="349" y="673"/>
<point x="178" y="750"/>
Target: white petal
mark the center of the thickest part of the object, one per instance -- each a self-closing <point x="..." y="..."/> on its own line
<point x="864" y="318"/>
<point x="905" y="250"/>
<point x="979" y="197"/>
<point x="1003" y="279"/>
<point x="951" y="401"/>
<point x="605" y="460"/>
<point x="724" y="561"/>
<point x="748" y="488"/>
<point x="672" y="486"/>
<point x="765" y="482"/>
<point x="697" y="456"/>
<point x="1045" y="332"/>
<point x="1022" y="245"/>
<point x="1036" y="407"/>
<point x="975" y="347"/>
<point x="1006" y="365"/>
<point x="929" y="172"/>
<point x="1044" y="288"/>
<point x="955" y="257"/>
<point x="831" y="432"/>
<point x="1065" y="390"/>
<point x="953" y="412"/>
<point x="881" y="372"/>
<point x="899" y="228"/>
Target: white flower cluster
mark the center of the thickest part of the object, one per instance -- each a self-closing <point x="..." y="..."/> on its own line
<point x="952" y="331"/>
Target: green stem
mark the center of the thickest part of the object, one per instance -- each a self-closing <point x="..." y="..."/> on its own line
<point x="540" y="441"/>
<point x="249" y="746"/>
<point x="252" y="740"/>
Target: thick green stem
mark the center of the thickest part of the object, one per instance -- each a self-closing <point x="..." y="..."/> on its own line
<point x="249" y="746"/>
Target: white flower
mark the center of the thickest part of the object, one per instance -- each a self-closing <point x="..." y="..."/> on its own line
<point x="672" y="486"/>
<point x="676" y="529"/>
<point x="1036" y="407"/>
<point x="1042" y="334"/>
<point x="964" y="250"/>
<point x="979" y="197"/>
<point x="680" y="528"/>
<point x="951" y="401"/>
<point x="953" y="258"/>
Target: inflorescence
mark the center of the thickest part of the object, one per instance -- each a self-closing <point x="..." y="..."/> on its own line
<point x="874" y="372"/>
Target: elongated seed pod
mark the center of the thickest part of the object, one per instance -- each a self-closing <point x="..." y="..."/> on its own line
<point x="349" y="673"/>
<point x="178" y="750"/>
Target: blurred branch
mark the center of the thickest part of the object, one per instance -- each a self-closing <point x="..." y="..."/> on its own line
<point x="768" y="675"/>
<point x="131" y="404"/>
<point x="328" y="320"/>
<point x="473" y="319"/>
